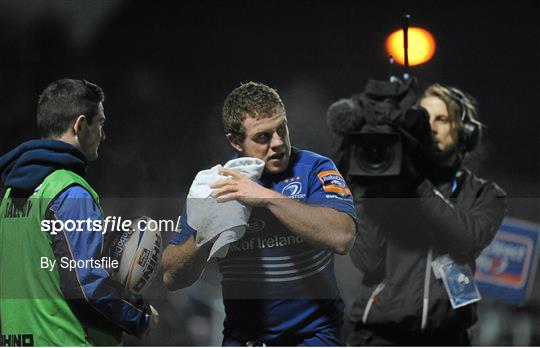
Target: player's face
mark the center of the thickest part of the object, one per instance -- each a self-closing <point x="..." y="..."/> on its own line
<point x="439" y="120"/>
<point x="267" y="138"/>
<point x="92" y="134"/>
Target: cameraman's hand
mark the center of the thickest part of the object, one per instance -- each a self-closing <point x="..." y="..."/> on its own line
<point x="152" y="324"/>
<point x="411" y="175"/>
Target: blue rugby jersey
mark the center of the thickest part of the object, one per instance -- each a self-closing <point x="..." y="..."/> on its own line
<point x="275" y="284"/>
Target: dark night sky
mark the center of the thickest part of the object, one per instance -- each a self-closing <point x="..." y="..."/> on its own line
<point x="167" y="66"/>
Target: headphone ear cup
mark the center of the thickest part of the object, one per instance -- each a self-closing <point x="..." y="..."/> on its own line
<point x="471" y="134"/>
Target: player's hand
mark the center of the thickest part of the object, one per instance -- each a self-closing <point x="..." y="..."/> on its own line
<point x="152" y="324"/>
<point x="240" y="187"/>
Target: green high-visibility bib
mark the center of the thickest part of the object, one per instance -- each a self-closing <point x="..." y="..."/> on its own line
<point x="31" y="301"/>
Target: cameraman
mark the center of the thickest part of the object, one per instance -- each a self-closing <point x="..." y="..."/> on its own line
<point x="443" y="215"/>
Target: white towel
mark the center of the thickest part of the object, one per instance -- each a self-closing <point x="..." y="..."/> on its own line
<point x="210" y="218"/>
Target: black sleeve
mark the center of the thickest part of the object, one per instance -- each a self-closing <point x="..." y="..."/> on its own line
<point x="466" y="228"/>
<point x="369" y="249"/>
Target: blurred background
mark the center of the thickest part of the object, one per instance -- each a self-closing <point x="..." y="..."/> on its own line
<point x="167" y="66"/>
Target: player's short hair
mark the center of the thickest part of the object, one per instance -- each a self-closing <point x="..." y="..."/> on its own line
<point x="252" y="99"/>
<point x="64" y="100"/>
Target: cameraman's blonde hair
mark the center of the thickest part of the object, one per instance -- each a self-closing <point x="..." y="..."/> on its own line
<point x="458" y="104"/>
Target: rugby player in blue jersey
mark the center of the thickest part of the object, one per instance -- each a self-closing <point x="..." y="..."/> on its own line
<point x="278" y="280"/>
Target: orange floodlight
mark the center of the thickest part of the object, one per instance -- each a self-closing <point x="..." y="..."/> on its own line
<point x="421" y="46"/>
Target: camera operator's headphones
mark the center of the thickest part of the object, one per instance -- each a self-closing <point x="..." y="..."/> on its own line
<point x="471" y="132"/>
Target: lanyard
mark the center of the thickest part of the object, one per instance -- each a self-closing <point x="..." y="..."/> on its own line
<point x="456" y="183"/>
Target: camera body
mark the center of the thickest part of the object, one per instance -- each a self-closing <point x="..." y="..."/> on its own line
<point x="381" y="129"/>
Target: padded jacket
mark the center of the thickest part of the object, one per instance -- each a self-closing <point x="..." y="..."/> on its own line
<point x="455" y="213"/>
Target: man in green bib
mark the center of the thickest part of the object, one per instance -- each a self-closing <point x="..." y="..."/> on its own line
<point x="44" y="302"/>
